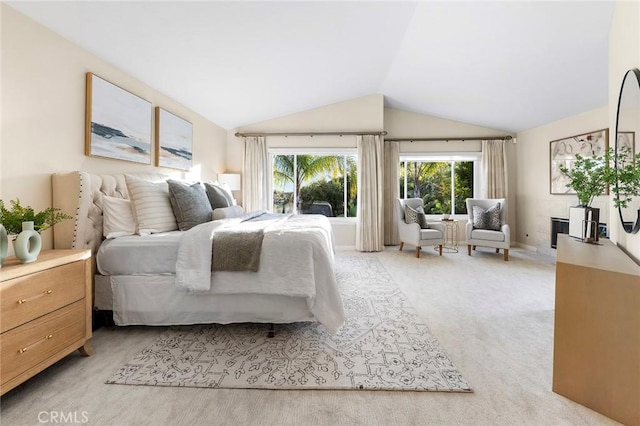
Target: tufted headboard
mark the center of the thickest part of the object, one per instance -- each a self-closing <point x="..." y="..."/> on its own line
<point x="79" y="194"/>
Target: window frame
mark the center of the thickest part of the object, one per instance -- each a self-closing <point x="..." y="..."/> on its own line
<point x="272" y="152"/>
<point x="442" y="157"/>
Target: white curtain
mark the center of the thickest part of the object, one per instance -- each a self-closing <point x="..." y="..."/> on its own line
<point x="493" y="169"/>
<point x="370" y="227"/>
<point x="391" y="191"/>
<point x="257" y="174"/>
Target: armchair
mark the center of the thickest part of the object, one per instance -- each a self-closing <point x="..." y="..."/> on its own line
<point x="411" y="233"/>
<point x="486" y="237"/>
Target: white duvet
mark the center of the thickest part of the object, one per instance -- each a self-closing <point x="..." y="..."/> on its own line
<point x="297" y="260"/>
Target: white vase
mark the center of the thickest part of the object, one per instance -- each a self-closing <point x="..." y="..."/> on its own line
<point x="28" y="244"/>
<point x="584" y="223"/>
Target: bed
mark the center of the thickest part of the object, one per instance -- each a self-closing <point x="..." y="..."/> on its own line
<point x="137" y="278"/>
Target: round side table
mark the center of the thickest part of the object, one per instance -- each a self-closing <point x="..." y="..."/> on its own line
<point x="450" y="235"/>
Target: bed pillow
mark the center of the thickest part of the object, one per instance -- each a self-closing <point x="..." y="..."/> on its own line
<point x="227" y="212"/>
<point x="151" y="206"/>
<point x="487" y="219"/>
<point x="190" y="204"/>
<point x="416" y="215"/>
<point x="218" y="196"/>
<point x="117" y="217"/>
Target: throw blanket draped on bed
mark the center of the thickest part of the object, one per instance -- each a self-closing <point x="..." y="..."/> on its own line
<point x="237" y="249"/>
<point x="296" y="260"/>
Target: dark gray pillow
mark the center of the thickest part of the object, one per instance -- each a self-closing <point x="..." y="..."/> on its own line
<point x="416" y="215"/>
<point x="487" y="219"/>
<point x="218" y="197"/>
<point x="189" y="203"/>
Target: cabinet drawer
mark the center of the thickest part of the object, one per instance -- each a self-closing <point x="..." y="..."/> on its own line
<point x="31" y="296"/>
<point x="32" y="343"/>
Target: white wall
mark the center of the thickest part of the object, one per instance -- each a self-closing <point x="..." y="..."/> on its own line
<point x="43" y="114"/>
<point x="624" y="53"/>
<point x="535" y="204"/>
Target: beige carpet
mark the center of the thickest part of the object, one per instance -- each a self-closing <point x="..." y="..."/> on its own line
<point x="494" y="318"/>
<point x="383" y="345"/>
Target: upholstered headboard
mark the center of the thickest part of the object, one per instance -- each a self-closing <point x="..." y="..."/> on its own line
<point x="79" y="194"/>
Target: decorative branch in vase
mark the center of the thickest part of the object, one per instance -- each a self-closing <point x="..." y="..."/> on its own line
<point x="23" y="226"/>
<point x="589" y="177"/>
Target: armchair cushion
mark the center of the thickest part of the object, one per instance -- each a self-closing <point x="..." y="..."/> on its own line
<point x="487" y="235"/>
<point x="416" y="215"/>
<point x="487" y="219"/>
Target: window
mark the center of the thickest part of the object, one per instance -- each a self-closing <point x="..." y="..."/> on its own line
<point x="444" y="182"/>
<point x="315" y="182"/>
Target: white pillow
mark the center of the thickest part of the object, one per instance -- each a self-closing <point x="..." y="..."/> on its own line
<point x="117" y="217"/>
<point x="151" y="206"/>
<point x="227" y="212"/>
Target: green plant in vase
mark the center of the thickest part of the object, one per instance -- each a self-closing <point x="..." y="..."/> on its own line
<point x="589" y="176"/>
<point x="13" y="217"/>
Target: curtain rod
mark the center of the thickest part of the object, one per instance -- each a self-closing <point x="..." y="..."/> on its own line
<point x="312" y="134"/>
<point x="506" y="138"/>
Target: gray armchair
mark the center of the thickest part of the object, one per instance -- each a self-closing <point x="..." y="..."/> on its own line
<point x="484" y="237"/>
<point x="411" y="233"/>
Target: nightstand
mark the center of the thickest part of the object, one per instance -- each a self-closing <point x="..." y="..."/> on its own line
<point x="45" y="314"/>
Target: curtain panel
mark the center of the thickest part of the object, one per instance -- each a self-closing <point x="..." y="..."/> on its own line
<point x="370" y="224"/>
<point x="257" y="174"/>
<point x="493" y="169"/>
<point x="391" y="191"/>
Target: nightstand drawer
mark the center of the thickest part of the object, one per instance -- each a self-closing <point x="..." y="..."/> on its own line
<point x="28" y="345"/>
<point x="31" y="296"/>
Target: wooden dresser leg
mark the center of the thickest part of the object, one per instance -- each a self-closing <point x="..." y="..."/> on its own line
<point x="86" y="349"/>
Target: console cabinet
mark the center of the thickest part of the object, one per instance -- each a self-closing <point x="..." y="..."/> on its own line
<point x="596" y="353"/>
<point x="45" y="314"/>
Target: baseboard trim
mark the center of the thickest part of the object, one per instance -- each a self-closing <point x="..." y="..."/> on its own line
<point x="527" y="247"/>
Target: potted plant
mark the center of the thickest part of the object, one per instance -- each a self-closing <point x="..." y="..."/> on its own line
<point x="588" y="177"/>
<point x="12" y="218"/>
<point x="23" y="225"/>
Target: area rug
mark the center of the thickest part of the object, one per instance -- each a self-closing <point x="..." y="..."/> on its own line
<point x="383" y="345"/>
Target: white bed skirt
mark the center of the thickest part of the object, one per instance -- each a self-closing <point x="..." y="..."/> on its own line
<point x="155" y="300"/>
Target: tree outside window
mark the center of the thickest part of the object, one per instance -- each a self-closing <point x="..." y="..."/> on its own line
<point x="444" y="186"/>
<point x="315" y="184"/>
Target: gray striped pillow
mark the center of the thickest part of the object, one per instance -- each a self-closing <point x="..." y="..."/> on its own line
<point x="151" y="206"/>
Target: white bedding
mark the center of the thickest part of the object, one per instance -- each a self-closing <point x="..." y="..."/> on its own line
<point x="139" y="255"/>
<point x="296" y="261"/>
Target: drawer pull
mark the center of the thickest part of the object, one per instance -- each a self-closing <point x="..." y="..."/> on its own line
<point x="26" y="348"/>
<point x="37" y="296"/>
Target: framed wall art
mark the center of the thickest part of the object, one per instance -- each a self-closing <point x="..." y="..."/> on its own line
<point x="563" y="152"/>
<point x="118" y="123"/>
<point x="174" y="141"/>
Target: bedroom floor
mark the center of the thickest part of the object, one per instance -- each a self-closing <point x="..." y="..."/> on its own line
<point x="494" y="319"/>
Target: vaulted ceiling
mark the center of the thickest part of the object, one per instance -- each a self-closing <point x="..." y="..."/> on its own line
<point x="509" y="65"/>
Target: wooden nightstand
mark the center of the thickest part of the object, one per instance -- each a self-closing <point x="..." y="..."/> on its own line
<point x="45" y="313"/>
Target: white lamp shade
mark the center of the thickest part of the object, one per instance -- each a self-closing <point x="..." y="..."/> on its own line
<point x="231" y="179"/>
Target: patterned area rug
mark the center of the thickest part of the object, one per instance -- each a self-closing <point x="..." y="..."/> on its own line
<point x="383" y="346"/>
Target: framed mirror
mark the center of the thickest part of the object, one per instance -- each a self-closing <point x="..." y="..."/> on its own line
<point x="627" y="132"/>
